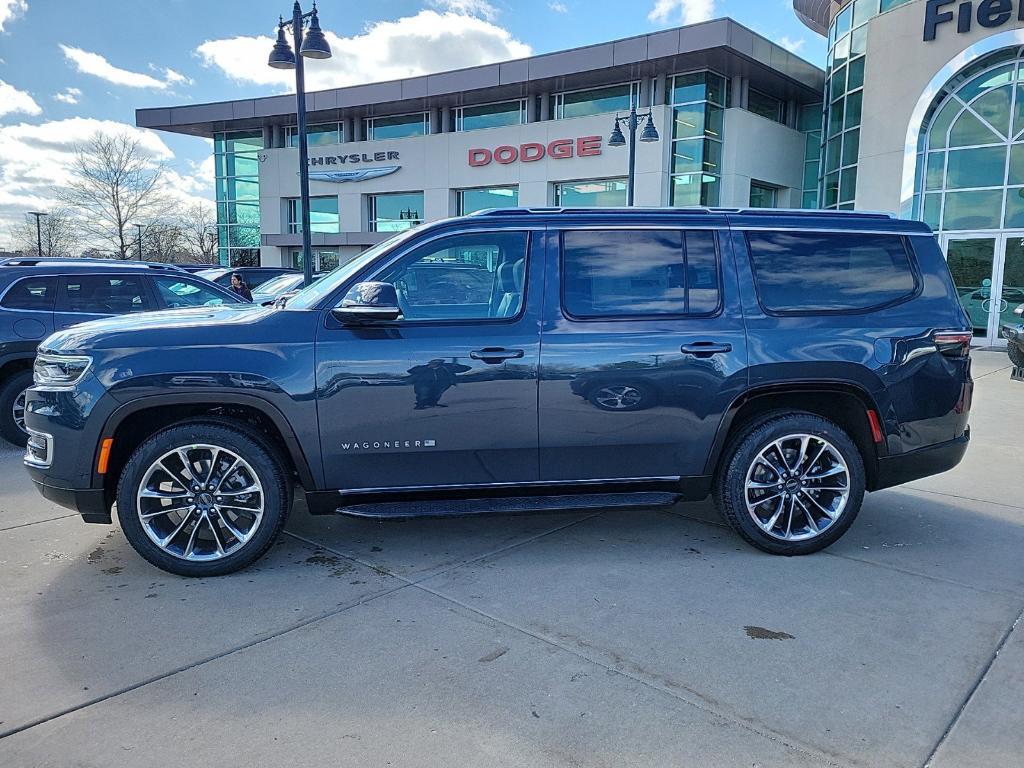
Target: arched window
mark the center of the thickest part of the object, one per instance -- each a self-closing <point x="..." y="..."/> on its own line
<point x="970" y="164"/>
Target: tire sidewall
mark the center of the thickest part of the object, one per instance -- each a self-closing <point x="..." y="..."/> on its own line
<point x="9" y="392"/>
<point x="260" y="456"/>
<point x="731" y="491"/>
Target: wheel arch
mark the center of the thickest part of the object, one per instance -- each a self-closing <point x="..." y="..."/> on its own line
<point x="137" y="420"/>
<point x="845" y="403"/>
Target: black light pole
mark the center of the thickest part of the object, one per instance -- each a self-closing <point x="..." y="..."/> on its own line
<point x="39" y="232"/>
<point x="313" y="45"/>
<point x="138" y="228"/>
<point x="650" y="133"/>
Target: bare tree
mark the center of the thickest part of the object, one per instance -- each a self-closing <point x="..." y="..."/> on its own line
<point x="115" y="183"/>
<point x="57" y="231"/>
<point x="164" y="241"/>
<point x="199" y="233"/>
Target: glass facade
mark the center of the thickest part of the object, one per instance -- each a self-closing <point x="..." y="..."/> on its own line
<point x="809" y="123"/>
<point x="397" y="126"/>
<point x="596" y="101"/>
<point x="323" y="215"/>
<point x="490" y="115"/>
<point x="237" y="189"/>
<point x="395" y="211"/>
<point x="320" y="135"/>
<point x="470" y="200"/>
<point x="698" y="118"/>
<point x="970" y="162"/>
<point x="599" y="193"/>
<point x="763" y="195"/>
<point x="324" y="259"/>
<point x="766" y="106"/>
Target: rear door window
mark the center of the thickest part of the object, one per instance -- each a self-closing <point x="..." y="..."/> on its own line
<point x="815" y="272"/>
<point x="639" y="273"/>
<point x="105" y="294"/>
<point x="31" y="293"/>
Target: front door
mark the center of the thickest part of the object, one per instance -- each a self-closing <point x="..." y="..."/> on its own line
<point x="446" y="395"/>
<point x="988" y="270"/>
<point x="643" y="350"/>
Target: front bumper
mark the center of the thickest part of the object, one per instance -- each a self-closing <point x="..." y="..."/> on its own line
<point x="924" y="462"/>
<point x="1012" y="332"/>
<point x="90" y="503"/>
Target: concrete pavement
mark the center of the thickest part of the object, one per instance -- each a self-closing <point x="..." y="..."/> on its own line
<point x="650" y="638"/>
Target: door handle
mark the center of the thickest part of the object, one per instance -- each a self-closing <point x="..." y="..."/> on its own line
<point x="704" y="349"/>
<point x="494" y="355"/>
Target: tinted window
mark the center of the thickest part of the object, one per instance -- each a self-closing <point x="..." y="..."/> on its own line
<point x="177" y="293"/>
<point x="105" y="294"/>
<point x="31" y="293"/>
<point x="463" y="277"/>
<point x="821" y="272"/>
<point x="638" y="273"/>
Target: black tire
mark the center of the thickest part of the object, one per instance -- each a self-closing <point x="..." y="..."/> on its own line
<point x="260" y="455"/>
<point x="11" y="390"/>
<point x="730" y="490"/>
<point x="1016" y="353"/>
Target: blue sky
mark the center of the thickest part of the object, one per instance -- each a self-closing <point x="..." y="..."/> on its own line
<point x="68" y="67"/>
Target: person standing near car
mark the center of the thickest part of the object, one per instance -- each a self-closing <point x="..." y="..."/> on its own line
<point x="238" y="286"/>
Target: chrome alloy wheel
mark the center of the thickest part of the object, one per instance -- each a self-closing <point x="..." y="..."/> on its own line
<point x="797" y="487"/>
<point x="18" y="411"/>
<point x="617" y="398"/>
<point x="200" y="502"/>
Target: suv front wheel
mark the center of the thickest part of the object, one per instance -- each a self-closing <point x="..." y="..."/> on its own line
<point x="791" y="485"/>
<point x="203" y="498"/>
<point x="12" y="407"/>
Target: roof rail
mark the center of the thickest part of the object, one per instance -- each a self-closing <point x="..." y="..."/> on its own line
<point x="34" y="261"/>
<point x="673" y="211"/>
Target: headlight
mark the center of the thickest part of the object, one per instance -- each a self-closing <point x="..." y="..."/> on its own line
<point x="60" y="371"/>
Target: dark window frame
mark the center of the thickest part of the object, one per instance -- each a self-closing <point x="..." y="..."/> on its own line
<point x="148" y="292"/>
<point x="915" y="272"/>
<point x="664" y="316"/>
<point x="54" y="291"/>
<point x="375" y="270"/>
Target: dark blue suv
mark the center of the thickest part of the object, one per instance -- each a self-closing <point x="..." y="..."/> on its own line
<point x="40" y="296"/>
<point x="525" y="359"/>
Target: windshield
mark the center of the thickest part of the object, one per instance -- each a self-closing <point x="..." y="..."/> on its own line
<point x="279" y="284"/>
<point x="313" y="294"/>
<point x="211" y="274"/>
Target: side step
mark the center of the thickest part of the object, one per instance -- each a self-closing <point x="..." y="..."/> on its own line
<point x="510" y="505"/>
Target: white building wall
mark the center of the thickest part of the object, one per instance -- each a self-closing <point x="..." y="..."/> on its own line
<point x="760" y="149"/>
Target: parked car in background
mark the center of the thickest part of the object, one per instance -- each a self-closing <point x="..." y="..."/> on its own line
<point x="40" y="296"/>
<point x="794" y="361"/>
<point x="253" y="276"/>
<point x="1013" y="332"/>
<point x="196" y="267"/>
<point x="282" y="285"/>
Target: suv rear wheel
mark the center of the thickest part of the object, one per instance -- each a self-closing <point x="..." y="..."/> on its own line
<point x="792" y="484"/>
<point x="12" y="407"/>
<point x="203" y="498"/>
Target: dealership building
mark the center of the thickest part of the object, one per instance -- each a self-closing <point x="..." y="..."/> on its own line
<point x="919" y="110"/>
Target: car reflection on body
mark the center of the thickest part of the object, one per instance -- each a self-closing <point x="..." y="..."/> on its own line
<point x="276" y="287"/>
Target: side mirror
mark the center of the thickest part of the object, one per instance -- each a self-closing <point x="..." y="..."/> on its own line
<point x="367" y="302"/>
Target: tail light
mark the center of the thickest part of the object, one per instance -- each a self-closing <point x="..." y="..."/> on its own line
<point x="953" y="343"/>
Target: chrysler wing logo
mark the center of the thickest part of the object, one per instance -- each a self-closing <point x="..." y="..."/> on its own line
<point x="361" y="174"/>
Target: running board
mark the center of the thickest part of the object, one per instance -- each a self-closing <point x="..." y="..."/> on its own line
<point x="510" y="505"/>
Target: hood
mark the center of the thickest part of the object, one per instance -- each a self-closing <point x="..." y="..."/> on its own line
<point x="198" y="325"/>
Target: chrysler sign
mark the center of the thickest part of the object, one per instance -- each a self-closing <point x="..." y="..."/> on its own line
<point x="375" y="157"/>
<point x="532" y="151"/>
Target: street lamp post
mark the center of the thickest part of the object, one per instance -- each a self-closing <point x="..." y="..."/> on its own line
<point x="649" y="133"/>
<point x="39" y="231"/>
<point x="138" y="228"/>
<point x="312" y="45"/>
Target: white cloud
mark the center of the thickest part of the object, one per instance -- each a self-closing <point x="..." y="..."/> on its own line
<point x="176" y="78"/>
<point x="558" y="7"/>
<point x="791" y="45"/>
<point x="480" y="8"/>
<point x="10" y="10"/>
<point x="13" y="100"/>
<point x="427" y="42"/>
<point x="35" y="162"/>
<point x="94" y="64"/>
<point x="689" y="11"/>
<point x="68" y="96"/>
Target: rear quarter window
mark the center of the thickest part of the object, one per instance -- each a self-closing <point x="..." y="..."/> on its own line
<point x="31" y="293"/>
<point x="818" y="272"/>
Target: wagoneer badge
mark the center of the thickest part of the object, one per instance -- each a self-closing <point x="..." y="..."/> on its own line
<point x="382" y="445"/>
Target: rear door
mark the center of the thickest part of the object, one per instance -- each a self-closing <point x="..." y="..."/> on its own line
<point x="643" y="349"/>
<point x="91" y="296"/>
<point x="27" y="312"/>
